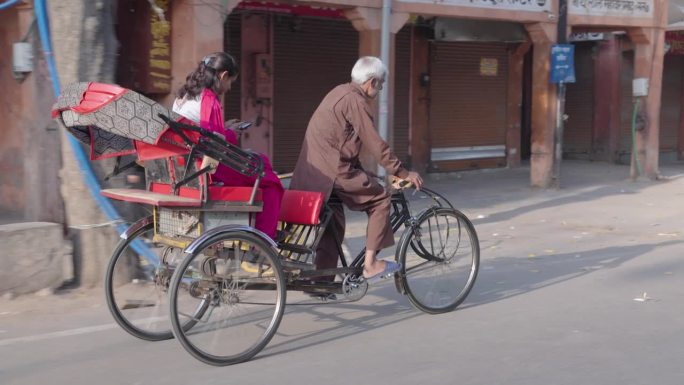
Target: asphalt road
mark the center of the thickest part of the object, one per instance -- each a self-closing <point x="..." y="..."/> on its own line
<point x="582" y="285"/>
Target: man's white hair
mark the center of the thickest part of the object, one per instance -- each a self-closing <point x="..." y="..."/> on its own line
<point x="366" y="68"/>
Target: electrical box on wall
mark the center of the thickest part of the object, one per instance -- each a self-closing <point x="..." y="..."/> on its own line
<point x="640" y="87"/>
<point x="22" y="57"/>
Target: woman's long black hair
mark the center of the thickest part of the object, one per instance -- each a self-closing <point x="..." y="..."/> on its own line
<point x="206" y="74"/>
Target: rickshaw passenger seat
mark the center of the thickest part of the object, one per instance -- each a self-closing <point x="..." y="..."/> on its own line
<point x="216" y="192"/>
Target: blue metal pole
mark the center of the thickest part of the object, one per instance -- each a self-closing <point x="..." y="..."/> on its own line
<point x="9" y="3"/>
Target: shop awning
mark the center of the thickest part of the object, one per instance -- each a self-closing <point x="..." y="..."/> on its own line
<point x="675" y="15"/>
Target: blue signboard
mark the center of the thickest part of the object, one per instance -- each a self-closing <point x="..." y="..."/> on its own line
<point x="562" y="63"/>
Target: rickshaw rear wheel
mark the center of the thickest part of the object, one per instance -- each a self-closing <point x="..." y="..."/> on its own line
<point x="246" y="291"/>
<point x="136" y="285"/>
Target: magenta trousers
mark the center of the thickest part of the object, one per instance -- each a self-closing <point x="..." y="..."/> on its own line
<point x="271" y="193"/>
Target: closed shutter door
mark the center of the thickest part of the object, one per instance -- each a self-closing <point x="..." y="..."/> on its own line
<point x="626" y="106"/>
<point x="579" y="105"/>
<point x="402" y="80"/>
<point x="468" y="105"/>
<point x="311" y="56"/>
<point x="232" y="44"/>
<point x="671" y="102"/>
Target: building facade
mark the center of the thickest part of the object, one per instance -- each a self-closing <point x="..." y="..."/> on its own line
<point x="469" y="80"/>
<point x="469" y="84"/>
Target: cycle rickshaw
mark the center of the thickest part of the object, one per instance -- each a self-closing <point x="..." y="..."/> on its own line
<point x="195" y="269"/>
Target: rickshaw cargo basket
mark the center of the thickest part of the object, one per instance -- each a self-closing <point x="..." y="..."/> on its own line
<point x="178" y="223"/>
<point x="192" y="223"/>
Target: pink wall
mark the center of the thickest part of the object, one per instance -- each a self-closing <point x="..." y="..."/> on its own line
<point x="30" y="157"/>
<point x="12" y="197"/>
<point x="257" y="81"/>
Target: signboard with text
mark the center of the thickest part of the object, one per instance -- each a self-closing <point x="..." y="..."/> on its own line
<point x="562" y="63"/>
<point x="509" y="5"/>
<point x="674" y="42"/>
<point x="489" y="66"/>
<point x="160" y="50"/>
<point x="144" y="62"/>
<point x="292" y="9"/>
<point x="616" y="8"/>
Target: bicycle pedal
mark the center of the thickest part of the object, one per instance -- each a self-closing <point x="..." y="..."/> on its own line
<point x="323" y="297"/>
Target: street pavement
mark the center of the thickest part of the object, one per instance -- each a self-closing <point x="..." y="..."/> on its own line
<point x="581" y="285"/>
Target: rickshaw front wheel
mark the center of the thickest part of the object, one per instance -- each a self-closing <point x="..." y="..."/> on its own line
<point x="440" y="258"/>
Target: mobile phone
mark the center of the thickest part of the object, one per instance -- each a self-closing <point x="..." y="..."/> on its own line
<point x="243" y="126"/>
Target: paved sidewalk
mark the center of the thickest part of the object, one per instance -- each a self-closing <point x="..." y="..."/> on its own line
<point x="597" y="203"/>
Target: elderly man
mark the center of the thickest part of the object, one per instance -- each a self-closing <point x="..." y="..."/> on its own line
<point x="329" y="162"/>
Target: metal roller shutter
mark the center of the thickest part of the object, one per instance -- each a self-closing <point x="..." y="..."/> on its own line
<point x="579" y="105"/>
<point x="232" y="35"/>
<point x="311" y="56"/>
<point x="670" y="103"/>
<point x="402" y="80"/>
<point x="468" y="104"/>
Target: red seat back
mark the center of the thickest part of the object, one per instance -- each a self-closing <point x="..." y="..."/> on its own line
<point x="301" y="207"/>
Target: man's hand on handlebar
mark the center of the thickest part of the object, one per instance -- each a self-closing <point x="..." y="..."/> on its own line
<point x="412" y="179"/>
<point x="415" y="178"/>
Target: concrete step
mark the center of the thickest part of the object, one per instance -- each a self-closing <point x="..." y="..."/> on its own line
<point x="35" y="256"/>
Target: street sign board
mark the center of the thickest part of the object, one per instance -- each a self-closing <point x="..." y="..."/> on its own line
<point x="562" y="63"/>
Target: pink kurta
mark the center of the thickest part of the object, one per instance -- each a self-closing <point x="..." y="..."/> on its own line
<point x="211" y="118"/>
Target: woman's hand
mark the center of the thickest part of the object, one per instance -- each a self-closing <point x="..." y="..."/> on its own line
<point x="231" y="124"/>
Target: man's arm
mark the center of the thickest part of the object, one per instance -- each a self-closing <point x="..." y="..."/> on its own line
<point x="360" y="117"/>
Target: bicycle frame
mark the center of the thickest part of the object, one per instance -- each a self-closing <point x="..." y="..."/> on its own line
<point x="400" y="215"/>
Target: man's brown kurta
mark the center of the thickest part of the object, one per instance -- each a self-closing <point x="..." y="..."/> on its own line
<point x="329" y="162"/>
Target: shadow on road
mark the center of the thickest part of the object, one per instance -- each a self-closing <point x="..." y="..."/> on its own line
<point x="336" y="321"/>
<point x="503" y="278"/>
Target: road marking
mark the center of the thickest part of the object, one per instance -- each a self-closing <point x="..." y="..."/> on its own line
<point x="72" y="332"/>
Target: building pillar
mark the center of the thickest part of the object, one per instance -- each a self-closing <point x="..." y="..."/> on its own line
<point x="196" y="30"/>
<point x="606" y="133"/>
<point x="368" y="21"/>
<point x="680" y="144"/>
<point x="543" y="105"/>
<point x="516" y="59"/>
<point x="419" y="126"/>
<point x="648" y="63"/>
